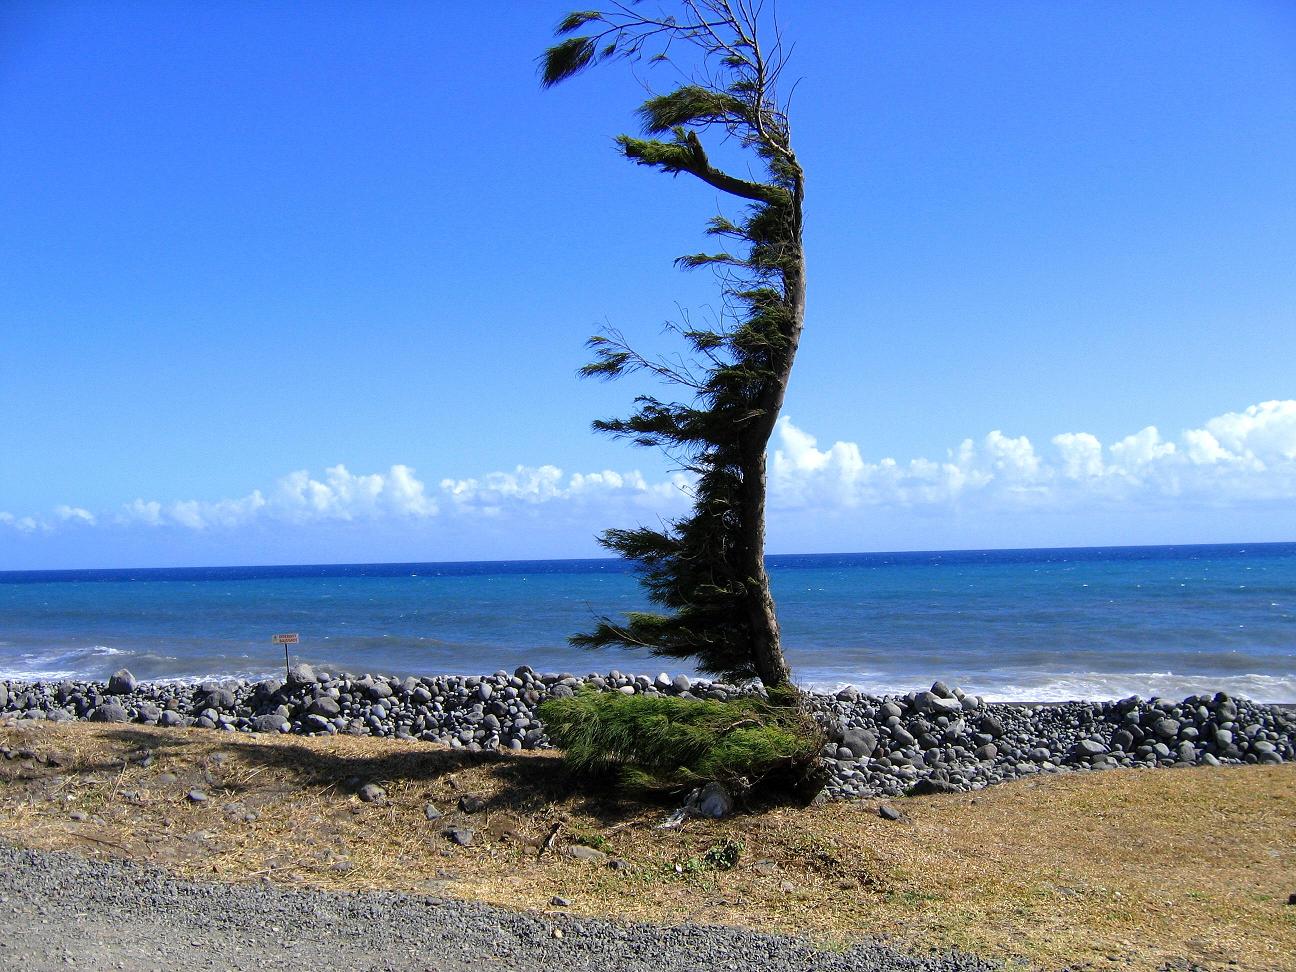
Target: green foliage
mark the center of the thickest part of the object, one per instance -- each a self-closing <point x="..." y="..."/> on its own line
<point x="597" y="841"/>
<point x="566" y="58"/>
<point x="723" y="856"/>
<point x="660" y="743"/>
<point x="705" y="572"/>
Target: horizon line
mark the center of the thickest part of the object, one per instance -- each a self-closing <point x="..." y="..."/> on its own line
<point x="537" y="560"/>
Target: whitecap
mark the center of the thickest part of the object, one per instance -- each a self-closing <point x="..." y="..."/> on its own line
<point x="1023" y="686"/>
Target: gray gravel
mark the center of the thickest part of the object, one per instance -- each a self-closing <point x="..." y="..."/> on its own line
<point x="58" y="910"/>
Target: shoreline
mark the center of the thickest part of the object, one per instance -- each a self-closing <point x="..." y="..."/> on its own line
<point x="1244" y="685"/>
<point x="933" y="741"/>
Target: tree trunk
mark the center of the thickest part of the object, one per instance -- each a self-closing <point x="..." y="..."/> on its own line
<point x="767" y="646"/>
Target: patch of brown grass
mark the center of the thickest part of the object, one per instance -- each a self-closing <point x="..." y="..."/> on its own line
<point x="1118" y="869"/>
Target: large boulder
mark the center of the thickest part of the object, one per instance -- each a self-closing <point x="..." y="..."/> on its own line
<point x="109" y="712"/>
<point x="991" y="725"/>
<point x="122" y="682"/>
<point x="222" y="700"/>
<point x="1166" y="728"/>
<point x="860" y="742"/>
<point x="271" y="722"/>
<point x="300" y="676"/>
<point x="929" y="703"/>
<point x="714" y="801"/>
<point x="325" y="706"/>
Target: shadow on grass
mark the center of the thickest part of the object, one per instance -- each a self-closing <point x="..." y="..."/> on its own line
<point x="528" y="783"/>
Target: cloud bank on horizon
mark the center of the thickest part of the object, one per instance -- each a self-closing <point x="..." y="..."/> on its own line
<point x="1234" y="460"/>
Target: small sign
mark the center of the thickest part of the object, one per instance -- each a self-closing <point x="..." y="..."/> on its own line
<point x="284" y="639"/>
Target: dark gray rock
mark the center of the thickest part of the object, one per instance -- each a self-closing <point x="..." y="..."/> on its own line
<point x="471" y="803"/>
<point x="714" y="800"/>
<point x="109" y="712"/>
<point x="371" y="793"/>
<point x="271" y="722"/>
<point x="463" y="836"/>
<point x="888" y="812"/>
<point x="122" y="682"/>
<point x="325" y="706"/>
<point x="1166" y="728"/>
<point x="902" y="737"/>
<point x="219" y="699"/>
<point x="991" y="725"/>
<point x="987" y="752"/>
<point x="860" y="742"/>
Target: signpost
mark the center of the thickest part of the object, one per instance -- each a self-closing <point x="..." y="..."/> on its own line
<point x="285" y="640"/>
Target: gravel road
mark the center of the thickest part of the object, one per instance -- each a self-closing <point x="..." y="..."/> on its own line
<point x="59" y="910"/>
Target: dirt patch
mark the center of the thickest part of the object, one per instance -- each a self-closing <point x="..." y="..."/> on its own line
<point x="1124" y="869"/>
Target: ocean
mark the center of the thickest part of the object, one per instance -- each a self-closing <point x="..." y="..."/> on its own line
<point x="1007" y="624"/>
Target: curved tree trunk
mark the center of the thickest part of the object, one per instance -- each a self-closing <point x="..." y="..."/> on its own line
<point x="767" y="646"/>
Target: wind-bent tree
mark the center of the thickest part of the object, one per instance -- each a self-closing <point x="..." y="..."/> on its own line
<point x="708" y="569"/>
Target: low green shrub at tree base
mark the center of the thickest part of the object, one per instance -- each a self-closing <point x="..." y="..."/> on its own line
<point x="659" y="743"/>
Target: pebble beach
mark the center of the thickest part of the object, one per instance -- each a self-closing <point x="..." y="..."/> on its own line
<point x="937" y="740"/>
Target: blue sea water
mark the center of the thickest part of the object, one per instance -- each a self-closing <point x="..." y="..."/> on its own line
<point x="1009" y="624"/>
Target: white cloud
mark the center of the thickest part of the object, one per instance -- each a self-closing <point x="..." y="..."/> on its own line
<point x="74" y="514"/>
<point x="23" y="524"/>
<point x="343" y="495"/>
<point x="529" y="486"/>
<point x="1081" y="453"/>
<point x="139" y="511"/>
<point x="1264" y="433"/>
<point x="298" y="498"/>
<point x="1143" y="447"/>
<point x="1234" y="459"/>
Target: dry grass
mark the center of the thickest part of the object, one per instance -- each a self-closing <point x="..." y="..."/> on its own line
<point x="1117" y="870"/>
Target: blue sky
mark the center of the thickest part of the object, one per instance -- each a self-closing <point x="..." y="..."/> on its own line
<point x="246" y="244"/>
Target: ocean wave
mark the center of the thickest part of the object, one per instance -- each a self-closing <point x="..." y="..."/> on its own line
<point x="57" y="666"/>
<point x="1020" y="686"/>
